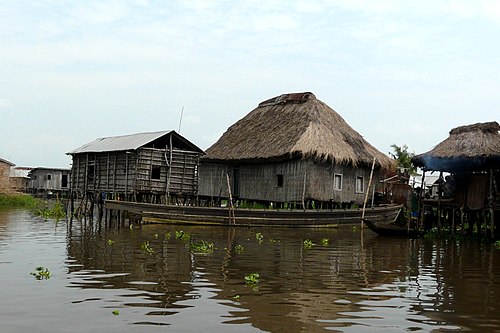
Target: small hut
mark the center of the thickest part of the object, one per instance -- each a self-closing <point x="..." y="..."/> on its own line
<point x="49" y="182"/>
<point x="471" y="154"/>
<point x="4" y="175"/>
<point x="292" y="148"/>
<point x="144" y="167"/>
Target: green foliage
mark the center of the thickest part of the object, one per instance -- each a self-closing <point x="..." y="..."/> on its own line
<point x="236" y="297"/>
<point x="56" y="211"/>
<point x="168" y="235"/>
<point x="259" y="237"/>
<point x="308" y="244"/>
<point x="239" y="249"/>
<point x="497" y="244"/>
<point x="147" y="248"/>
<point x="41" y="273"/>
<point x="18" y="200"/>
<point x="111" y="242"/>
<point x="183" y="236"/>
<point x="324" y="241"/>
<point x="403" y="158"/>
<point x="116" y="312"/>
<point x="203" y="247"/>
<point x="252" y="278"/>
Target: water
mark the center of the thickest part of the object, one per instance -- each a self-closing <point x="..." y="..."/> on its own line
<point x="358" y="282"/>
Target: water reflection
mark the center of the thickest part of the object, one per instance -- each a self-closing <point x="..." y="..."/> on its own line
<point x="355" y="283"/>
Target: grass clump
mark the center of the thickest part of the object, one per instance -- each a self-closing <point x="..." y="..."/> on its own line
<point x="18" y="200"/>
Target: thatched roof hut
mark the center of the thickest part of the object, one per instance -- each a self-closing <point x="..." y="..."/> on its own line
<point x="295" y="125"/>
<point x="468" y="148"/>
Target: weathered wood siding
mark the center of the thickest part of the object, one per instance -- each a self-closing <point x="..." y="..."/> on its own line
<point x="260" y="181"/>
<point x="142" y="171"/>
<point x="49" y="179"/>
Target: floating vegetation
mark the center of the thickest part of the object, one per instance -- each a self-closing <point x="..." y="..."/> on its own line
<point x="116" y="312"/>
<point x="236" y="297"/>
<point x="147" y="248"/>
<point x="155" y="235"/>
<point x="203" y="247"/>
<point x="239" y="249"/>
<point x="497" y="244"/>
<point x="354" y="228"/>
<point x="252" y="278"/>
<point x="168" y="235"/>
<point x="41" y="273"/>
<point x="111" y="242"/>
<point x="324" y="241"/>
<point x="308" y="244"/>
<point x="272" y="240"/>
<point x="183" y="236"/>
<point x="259" y="237"/>
<point x="57" y="211"/>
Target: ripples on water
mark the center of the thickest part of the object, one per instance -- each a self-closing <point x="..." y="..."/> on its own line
<point x="355" y="283"/>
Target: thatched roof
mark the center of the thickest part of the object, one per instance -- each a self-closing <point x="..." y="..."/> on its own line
<point x="468" y="148"/>
<point x="295" y="126"/>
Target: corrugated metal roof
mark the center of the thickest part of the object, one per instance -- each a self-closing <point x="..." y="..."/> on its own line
<point x="6" y="162"/>
<point x="119" y="143"/>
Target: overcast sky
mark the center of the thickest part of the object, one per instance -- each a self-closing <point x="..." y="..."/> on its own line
<point x="403" y="72"/>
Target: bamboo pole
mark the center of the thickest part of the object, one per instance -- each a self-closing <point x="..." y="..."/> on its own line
<point x="367" y="191"/>
<point x="491" y="204"/>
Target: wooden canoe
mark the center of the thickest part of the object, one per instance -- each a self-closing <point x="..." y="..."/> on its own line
<point x="155" y="213"/>
<point x="391" y="229"/>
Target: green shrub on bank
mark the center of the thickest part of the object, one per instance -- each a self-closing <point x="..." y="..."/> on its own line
<point x="37" y="206"/>
<point x="18" y="200"/>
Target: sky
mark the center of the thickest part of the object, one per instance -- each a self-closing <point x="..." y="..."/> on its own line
<point x="399" y="72"/>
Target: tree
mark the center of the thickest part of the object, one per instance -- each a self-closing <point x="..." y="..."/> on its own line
<point x="403" y="159"/>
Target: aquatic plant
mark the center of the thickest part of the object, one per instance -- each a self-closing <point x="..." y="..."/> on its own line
<point x="111" y="242"/>
<point x="203" y="247"/>
<point x="41" y="273"/>
<point x="239" y="249"/>
<point x="236" y="297"/>
<point x="116" y="312"/>
<point x="324" y="241"/>
<point x="259" y="237"/>
<point x="497" y="244"/>
<point x="155" y="235"/>
<point x="308" y="244"/>
<point x="147" y="248"/>
<point x="354" y="228"/>
<point x="168" y="235"/>
<point x="183" y="236"/>
<point x="44" y="210"/>
<point x="272" y="240"/>
<point x="252" y="278"/>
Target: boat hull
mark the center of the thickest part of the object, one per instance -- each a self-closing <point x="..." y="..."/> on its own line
<point x="390" y="229"/>
<point x="154" y="213"/>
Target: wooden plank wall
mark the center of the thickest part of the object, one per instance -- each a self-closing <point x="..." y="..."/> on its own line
<point x="259" y="181"/>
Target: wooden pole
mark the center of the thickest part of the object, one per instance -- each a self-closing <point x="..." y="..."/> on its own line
<point x="232" y="219"/>
<point x="304" y="191"/>
<point x="491" y="204"/>
<point x="367" y="191"/>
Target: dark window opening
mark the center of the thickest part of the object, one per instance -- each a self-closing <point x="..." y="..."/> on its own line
<point x="90" y="172"/>
<point x="236" y="182"/>
<point x="64" y="181"/>
<point x="279" y="182"/>
<point x="156" y="172"/>
<point x="49" y="177"/>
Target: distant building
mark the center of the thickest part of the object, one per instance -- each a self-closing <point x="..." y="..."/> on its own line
<point x="4" y="175"/>
<point x="144" y="167"/>
<point x="49" y="181"/>
<point x="19" y="178"/>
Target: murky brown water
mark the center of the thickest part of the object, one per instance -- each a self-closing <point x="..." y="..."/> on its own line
<point x="351" y="284"/>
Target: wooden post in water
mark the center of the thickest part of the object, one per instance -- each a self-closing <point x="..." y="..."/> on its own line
<point x="232" y="219"/>
<point x="492" y="204"/>
<point x="367" y="191"/>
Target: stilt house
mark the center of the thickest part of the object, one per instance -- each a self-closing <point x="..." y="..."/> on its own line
<point x="49" y="181"/>
<point x="292" y="148"/>
<point x="145" y="167"/>
<point x="471" y="156"/>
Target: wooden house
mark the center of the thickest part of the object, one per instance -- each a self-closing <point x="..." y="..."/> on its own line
<point x="145" y="167"/>
<point x="471" y="156"/>
<point x="49" y="181"/>
<point x="4" y="175"/>
<point x="292" y="148"/>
